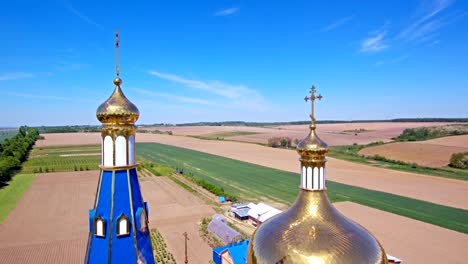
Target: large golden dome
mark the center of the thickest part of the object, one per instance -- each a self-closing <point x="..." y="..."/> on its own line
<point x="312" y="230"/>
<point x="117" y="109"/>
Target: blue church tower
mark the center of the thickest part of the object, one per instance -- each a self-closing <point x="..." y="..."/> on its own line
<point x="118" y="223"/>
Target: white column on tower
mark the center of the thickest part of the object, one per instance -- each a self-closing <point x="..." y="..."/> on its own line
<point x="315" y="179"/>
<point x="120" y="151"/>
<point x="303" y="177"/>
<point x="131" y="150"/>
<point x="309" y="178"/>
<point x="108" y="152"/>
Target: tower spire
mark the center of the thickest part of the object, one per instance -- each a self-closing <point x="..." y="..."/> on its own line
<point x="118" y="231"/>
<point x="312" y="98"/>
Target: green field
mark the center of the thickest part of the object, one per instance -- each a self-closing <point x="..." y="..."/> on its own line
<point x="224" y="134"/>
<point x="8" y="133"/>
<point x="70" y="158"/>
<point x="12" y="193"/>
<point x="257" y="183"/>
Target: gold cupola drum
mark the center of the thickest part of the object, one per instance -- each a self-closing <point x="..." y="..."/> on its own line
<point x="312" y="230"/>
<point x="118" y="222"/>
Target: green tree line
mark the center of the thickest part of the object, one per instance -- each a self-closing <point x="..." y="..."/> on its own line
<point x="14" y="151"/>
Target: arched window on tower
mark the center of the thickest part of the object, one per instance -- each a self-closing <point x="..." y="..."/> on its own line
<point x="142" y="219"/>
<point x="99" y="227"/>
<point x="123" y="226"/>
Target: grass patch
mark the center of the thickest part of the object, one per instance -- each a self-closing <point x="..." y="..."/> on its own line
<point x="225" y="134"/>
<point x="182" y="184"/>
<point x="351" y="153"/>
<point x="12" y="193"/>
<point x="156" y="170"/>
<point x="257" y="183"/>
<point x="69" y="158"/>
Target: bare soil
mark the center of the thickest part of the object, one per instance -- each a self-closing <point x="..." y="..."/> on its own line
<point x="174" y="210"/>
<point x="431" y="153"/>
<point x="50" y="223"/>
<point x="438" y="190"/>
<point x="409" y="240"/>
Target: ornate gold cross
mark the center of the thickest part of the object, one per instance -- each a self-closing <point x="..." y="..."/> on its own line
<point x="312" y="98"/>
<point x="117" y="40"/>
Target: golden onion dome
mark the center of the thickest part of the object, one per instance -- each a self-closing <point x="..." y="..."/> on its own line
<point x="117" y="109"/>
<point x="312" y="230"/>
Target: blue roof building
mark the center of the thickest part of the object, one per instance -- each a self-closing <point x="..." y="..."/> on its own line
<point x="231" y="254"/>
<point x="118" y="222"/>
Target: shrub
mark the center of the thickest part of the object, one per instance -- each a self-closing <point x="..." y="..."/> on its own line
<point x="276" y="142"/>
<point x="459" y="160"/>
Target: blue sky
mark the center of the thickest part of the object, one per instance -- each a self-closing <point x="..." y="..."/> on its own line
<point x="187" y="61"/>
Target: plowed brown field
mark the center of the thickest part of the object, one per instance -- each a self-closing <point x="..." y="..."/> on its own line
<point x="410" y="240"/>
<point x="432" y="153"/>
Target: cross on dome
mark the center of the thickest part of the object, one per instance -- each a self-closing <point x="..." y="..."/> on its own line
<point x="312" y="98"/>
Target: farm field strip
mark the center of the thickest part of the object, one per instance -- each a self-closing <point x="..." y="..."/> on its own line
<point x="71" y="158"/>
<point x="257" y="183"/>
<point x="12" y="193"/>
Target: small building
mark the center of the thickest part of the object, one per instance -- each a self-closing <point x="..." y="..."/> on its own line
<point x="222" y="231"/>
<point x="242" y="214"/>
<point x="260" y="213"/>
<point x="240" y="210"/>
<point x="231" y="254"/>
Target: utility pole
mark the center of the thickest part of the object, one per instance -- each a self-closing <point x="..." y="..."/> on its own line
<point x="186" y="238"/>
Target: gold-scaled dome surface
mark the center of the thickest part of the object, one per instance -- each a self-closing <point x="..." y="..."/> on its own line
<point x="117" y="109"/>
<point x="312" y="145"/>
<point x="312" y="230"/>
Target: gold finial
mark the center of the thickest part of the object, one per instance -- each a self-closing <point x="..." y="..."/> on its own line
<point x="312" y="98"/>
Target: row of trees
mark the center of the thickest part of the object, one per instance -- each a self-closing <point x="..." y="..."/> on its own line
<point x="425" y="133"/>
<point x="14" y="151"/>
<point x="282" y="142"/>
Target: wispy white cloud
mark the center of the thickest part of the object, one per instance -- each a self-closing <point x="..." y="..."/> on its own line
<point x="427" y="23"/>
<point x="227" y="11"/>
<point x="391" y="61"/>
<point x="175" y="97"/>
<point x="432" y="17"/>
<point x="374" y="43"/>
<point x="80" y="15"/>
<point x="337" y="23"/>
<point x="15" y="76"/>
<point x="233" y="95"/>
